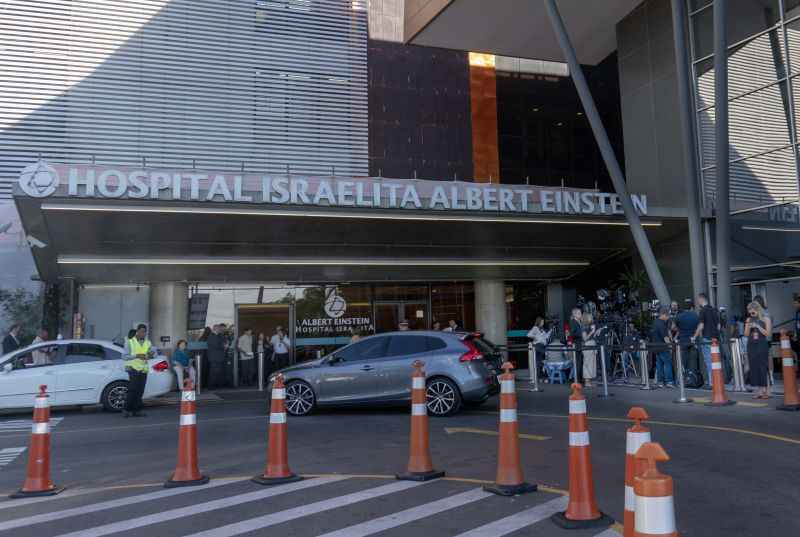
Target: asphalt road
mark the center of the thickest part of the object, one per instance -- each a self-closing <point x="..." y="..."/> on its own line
<point x="735" y="470"/>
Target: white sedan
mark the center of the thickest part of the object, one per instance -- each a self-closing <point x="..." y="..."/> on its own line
<point x="76" y="372"/>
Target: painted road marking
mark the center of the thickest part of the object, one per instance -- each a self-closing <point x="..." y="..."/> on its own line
<point x="23" y="425"/>
<point x="410" y="515"/>
<point x="520" y="520"/>
<point x="280" y="517"/>
<point x="703" y="400"/>
<point x="110" y="504"/>
<point x="610" y="532"/>
<point x="488" y="432"/>
<point x="181" y="512"/>
<point x="8" y="455"/>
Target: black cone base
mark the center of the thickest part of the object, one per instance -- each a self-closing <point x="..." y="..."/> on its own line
<point x="788" y="407"/>
<point x="49" y="492"/>
<point x="420" y="476"/>
<point x="170" y="484"/>
<point x="511" y="490"/>
<point x="560" y="520"/>
<point x="726" y="403"/>
<point x="261" y="480"/>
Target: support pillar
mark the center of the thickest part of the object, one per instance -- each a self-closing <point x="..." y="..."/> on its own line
<point x="490" y="310"/>
<point x="610" y="159"/>
<point x="686" y="102"/>
<point x="722" y="198"/>
<point x="169" y="313"/>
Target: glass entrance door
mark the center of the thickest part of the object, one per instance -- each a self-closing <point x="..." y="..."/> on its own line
<point x="261" y="319"/>
<point x="388" y="315"/>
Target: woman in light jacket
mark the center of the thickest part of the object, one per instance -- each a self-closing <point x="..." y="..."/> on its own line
<point x="589" y="330"/>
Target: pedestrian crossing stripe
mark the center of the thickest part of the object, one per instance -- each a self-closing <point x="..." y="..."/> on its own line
<point x="8" y="455"/>
<point x="23" y="425"/>
<point x="479" y="501"/>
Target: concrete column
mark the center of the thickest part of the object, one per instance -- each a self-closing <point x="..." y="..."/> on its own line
<point x="555" y="300"/>
<point x="169" y="313"/>
<point x="490" y="310"/>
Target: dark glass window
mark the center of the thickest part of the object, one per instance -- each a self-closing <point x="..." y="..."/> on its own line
<point x="368" y="349"/>
<point x="408" y="345"/>
<point x="83" y="352"/>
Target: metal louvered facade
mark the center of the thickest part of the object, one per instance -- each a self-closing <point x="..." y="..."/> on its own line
<point x="763" y="65"/>
<point x="267" y="85"/>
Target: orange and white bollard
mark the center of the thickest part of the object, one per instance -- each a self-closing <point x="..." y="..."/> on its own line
<point x="655" y="505"/>
<point x="791" y="401"/>
<point x="420" y="467"/>
<point x="718" y="396"/>
<point x="582" y="511"/>
<point x="637" y="436"/>
<point x="37" y="475"/>
<point x="187" y="473"/>
<point x="509" y="480"/>
<point x="277" y="470"/>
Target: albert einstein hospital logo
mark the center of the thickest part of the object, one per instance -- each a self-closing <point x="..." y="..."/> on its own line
<point x="335" y="304"/>
<point x="39" y="180"/>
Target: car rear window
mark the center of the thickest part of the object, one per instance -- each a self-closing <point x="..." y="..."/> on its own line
<point x="406" y="345"/>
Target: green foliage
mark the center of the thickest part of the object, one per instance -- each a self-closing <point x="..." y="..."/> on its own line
<point x="24" y="307"/>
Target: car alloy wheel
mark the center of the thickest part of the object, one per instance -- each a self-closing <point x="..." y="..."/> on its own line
<point x="441" y="397"/>
<point x="299" y="398"/>
<point x="116" y="396"/>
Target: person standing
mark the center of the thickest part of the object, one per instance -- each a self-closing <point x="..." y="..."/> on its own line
<point x="661" y="337"/>
<point x="246" y="357"/>
<point x="261" y="348"/>
<point x="758" y="330"/>
<point x="589" y="356"/>
<point x="11" y="341"/>
<point x="707" y="329"/>
<point x="355" y="335"/>
<point x="281" y="344"/>
<point x="539" y="336"/>
<point x="576" y="332"/>
<point x="686" y="322"/>
<point x="452" y="326"/>
<point x="137" y="350"/>
<point x="216" y="357"/>
<point x="40" y="357"/>
<point x="181" y="363"/>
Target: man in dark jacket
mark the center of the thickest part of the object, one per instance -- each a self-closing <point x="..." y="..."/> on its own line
<point x="216" y="357"/>
<point x="11" y="341"/>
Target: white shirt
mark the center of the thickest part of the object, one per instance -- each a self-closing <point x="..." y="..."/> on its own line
<point x="245" y="347"/>
<point x="539" y="336"/>
<point x="281" y="346"/>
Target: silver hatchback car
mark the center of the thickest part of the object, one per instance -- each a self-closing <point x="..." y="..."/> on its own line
<point x="460" y="368"/>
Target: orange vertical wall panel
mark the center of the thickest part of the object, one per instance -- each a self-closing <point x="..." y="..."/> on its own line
<point x="483" y="105"/>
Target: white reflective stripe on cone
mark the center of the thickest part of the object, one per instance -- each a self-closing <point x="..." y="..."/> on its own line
<point x="714" y="350"/>
<point x="508" y="414"/>
<point x="635" y="441"/>
<point x="41" y="402"/>
<point x="788" y="362"/>
<point x="786" y="344"/>
<point x="279" y="393"/>
<point x="506" y="386"/>
<point x="277" y="417"/>
<point x="418" y="383"/>
<point x="577" y="406"/>
<point x="40" y="428"/>
<point x="630" y="499"/>
<point x="716" y="365"/>
<point x="419" y="409"/>
<point x="579" y="439"/>
<point x="188" y="396"/>
<point x="655" y="516"/>
<point x="188" y="419"/>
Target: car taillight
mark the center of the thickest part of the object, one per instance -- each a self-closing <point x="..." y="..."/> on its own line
<point x="472" y="353"/>
<point x="161" y="366"/>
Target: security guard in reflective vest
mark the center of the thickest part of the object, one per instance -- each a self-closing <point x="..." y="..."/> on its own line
<point x="137" y="350"/>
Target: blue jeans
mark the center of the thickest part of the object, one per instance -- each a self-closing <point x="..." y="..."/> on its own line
<point x="706" y="347"/>
<point x="664" y="367"/>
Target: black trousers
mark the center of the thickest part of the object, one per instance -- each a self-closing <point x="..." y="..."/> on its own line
<point x="247" y="371"/>
<point x="136" y="383"/>
<point x="281" y="360"/>
<point x="579" y="362"/>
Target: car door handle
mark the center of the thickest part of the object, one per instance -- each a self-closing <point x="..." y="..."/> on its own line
<point x="367" y="368"/>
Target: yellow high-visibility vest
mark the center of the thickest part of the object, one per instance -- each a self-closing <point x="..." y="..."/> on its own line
<point x="136" y="348"/>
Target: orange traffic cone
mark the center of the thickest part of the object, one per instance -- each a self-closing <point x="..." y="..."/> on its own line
<point x="186" y="472"/>
<point x="637" y="436"/>
<point x="277" y="471"/>
<point x="509" y="480"/>
<point x="791" y="401"/>
<point x="420" y="467"/>
<point x="582" y="511"/>
<point x="718" y="397"/>
<point x="655" y="507"/>
<point x="37" y="476"/>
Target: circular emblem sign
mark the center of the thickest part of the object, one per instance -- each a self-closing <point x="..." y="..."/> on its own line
<point x="335" y="305"/>
<point x="39" y="180"/>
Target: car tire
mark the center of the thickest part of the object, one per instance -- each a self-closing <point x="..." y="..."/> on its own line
<point x="300" y="398"/>
<point x="442" y="397"/>
<point x="114" y="395"/>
